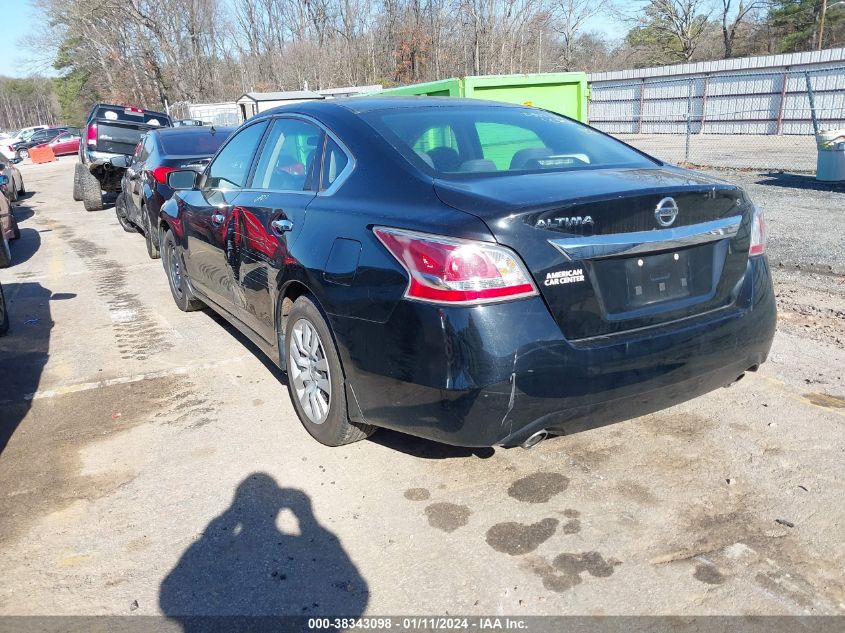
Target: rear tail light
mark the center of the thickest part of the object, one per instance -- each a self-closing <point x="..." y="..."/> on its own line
<point x="448" y="270"/>
<point x="91" y="134"/>
<point x="160" y="174"/>
<point x="758" y="233"/>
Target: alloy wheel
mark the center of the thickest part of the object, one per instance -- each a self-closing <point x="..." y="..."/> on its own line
<point x="309" y="371"/>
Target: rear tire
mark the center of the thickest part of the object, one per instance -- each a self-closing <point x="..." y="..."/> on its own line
<point x="5" y="253"/>
<point x="77" y="181"/>
<point x="120" y="212"/>
<point x="315" y="378"/>
<point x="92" y="194"/>
<point x="4" y="315"/>
<point x="150" y="236"/>
<point x="177" y="276"/>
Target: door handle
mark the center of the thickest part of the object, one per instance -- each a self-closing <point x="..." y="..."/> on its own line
<point x="218" y="218"/>
<point x="281" y="226"/>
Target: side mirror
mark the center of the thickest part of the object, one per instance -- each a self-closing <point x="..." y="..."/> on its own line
<point x="4" y="180"/>
<point x="120" y="161"/>
<point x="182" y="179"/>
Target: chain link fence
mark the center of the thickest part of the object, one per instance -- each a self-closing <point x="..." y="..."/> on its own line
<point x="751" y="120"/>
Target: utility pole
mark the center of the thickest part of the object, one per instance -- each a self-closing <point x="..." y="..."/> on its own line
<point x="821" y="20"/>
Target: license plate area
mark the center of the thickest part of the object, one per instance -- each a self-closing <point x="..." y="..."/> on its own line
<point x="634" y="283"/>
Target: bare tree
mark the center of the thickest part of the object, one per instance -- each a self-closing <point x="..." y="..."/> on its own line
<point x="732" y="19"/>
<point x="675" y="26"/>
<point x="570" y="18"/>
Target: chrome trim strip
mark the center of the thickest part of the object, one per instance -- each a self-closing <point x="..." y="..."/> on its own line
<point x="600" y="246"/>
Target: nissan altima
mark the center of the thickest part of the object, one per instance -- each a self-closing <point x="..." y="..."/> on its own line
<point x="469" y="272"/>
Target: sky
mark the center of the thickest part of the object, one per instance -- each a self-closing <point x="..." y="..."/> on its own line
<point x="16" y="23"/>
<point x="15" y="59"/>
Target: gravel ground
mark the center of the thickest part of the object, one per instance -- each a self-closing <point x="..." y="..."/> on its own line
<point x="806" y="248"/>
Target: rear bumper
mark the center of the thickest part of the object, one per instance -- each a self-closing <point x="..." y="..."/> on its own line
<point x="496" y="374"/>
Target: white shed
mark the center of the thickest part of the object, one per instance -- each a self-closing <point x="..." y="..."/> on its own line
<point x="252" y="103"/>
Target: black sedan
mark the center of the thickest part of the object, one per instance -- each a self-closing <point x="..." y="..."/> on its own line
<point x="144" y="185"/>
<point x="474" y="273"/>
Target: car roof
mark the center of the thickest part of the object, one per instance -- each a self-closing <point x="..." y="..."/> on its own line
<point x="369" y="104"/>
<point x="360" y="105"/>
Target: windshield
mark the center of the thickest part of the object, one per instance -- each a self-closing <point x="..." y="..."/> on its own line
<point x="452" y="141"/>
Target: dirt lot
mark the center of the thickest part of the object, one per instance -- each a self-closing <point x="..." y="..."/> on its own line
<point x="152" y="462"/>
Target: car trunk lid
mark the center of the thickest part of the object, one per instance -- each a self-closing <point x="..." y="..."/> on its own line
<point x="613" y="250"/>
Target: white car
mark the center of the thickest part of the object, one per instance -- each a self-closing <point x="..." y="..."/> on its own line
<point x="23" y="134"/>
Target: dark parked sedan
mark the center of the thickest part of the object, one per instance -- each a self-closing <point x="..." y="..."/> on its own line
<point x="144" y="186"/>
<point x="469" y="272"/>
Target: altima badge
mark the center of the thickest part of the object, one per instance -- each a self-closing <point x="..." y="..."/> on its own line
<point x="666" y="212"/>
<point x="565" y="223"/>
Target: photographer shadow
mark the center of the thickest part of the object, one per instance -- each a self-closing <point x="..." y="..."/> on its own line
<point x="244" y="571"/>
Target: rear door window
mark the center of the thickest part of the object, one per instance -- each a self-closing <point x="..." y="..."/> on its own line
<point x="289" y="156"/>
<point x="230" y="168"/>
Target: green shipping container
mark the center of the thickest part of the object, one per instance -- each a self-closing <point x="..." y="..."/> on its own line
<point x="564" y="93"/>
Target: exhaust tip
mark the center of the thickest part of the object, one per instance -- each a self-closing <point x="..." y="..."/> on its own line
<point x="735" y="380"/>
<point x="535" y="439"/>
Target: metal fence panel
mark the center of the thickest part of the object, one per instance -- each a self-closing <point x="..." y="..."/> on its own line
<point x="735" y="119"/>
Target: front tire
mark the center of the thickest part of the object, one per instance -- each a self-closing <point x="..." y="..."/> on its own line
<point x="177" y="276"/>
<point x="120" y="212"/>
<point x="78" y="170"/>
<point x="92" y="194"/>
<point x="315" y="378"/>
<point x="151" y="237"/>
<point x="22" y="154"/>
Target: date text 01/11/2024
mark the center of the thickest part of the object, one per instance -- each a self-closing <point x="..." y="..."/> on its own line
<point x="420" y="623"/>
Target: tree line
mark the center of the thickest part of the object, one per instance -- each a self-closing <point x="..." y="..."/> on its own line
<point x="152" y="52"/>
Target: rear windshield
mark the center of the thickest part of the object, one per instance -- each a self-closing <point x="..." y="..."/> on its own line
<point x="127" y="115"/>
<point x="457" y="141"/>
<point x="193" y="143"/>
